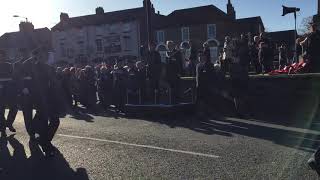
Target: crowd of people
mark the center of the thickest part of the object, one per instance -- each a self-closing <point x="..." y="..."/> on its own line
<point x="32" y="84"/>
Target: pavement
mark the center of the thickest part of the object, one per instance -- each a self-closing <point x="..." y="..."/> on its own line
<point x="102" y="146"/>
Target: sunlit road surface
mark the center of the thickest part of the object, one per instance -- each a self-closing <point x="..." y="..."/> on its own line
<point x="105" y="147"/>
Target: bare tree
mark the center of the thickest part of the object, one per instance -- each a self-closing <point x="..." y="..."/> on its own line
<point x="304" y="26"/>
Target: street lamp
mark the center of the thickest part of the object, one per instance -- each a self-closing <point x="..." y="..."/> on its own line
<point x="17" y="16"/>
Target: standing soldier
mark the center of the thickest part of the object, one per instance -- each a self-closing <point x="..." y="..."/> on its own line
<point x="6" y="72"/>
<point x="154" y="70"/>
<point x="174" y="71"/>
<point x="265" y="53"/>
<point x="204" y="77"/>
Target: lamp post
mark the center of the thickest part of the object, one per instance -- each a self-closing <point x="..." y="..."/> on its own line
<point x="17" y="16"/>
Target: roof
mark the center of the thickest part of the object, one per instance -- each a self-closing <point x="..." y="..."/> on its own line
<point x="196" y="15"/>
<point x="26" y="40"/>
<point x="286" y="37"/>
<point x="99" y="19"/>
<point x="250" y="20"/>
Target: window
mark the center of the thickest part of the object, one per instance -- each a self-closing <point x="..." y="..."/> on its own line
<point x="212" y="31"/>
<point x="99" y="45"/>
<point x="63" y="50"/>
<point x="81" y="47"/>
<point x="160" y="37"/>
<point x="185" y="34"/>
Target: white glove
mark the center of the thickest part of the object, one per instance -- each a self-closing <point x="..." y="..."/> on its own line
<point x="25" y="91"/>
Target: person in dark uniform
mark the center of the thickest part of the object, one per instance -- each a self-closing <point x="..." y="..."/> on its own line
<point x="6" y="72"/>
<point x="119" y="89"/>
<point x="174" y="71"/>
<point x="132" y="83"/>
<point x="105" y="86"/>
<point x="141" y="78"/>
<point x="46" y="99"/>
<point x="204" y="77"/>
<point x="154" y="71"/>
<point x="239" y="73"/>
<point x="14" y="96"/>
<point x="265" y="53"/>
<point x="312" y="44"/>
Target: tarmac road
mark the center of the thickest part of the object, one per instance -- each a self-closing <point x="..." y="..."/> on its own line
<point x="102" y="146"/>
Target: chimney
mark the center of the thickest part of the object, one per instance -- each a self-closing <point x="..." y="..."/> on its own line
<point x="158" y="12"/>
<point x="230" y="10"/>
<point x="64" y="17"/>
<point x="99" y="10"/>
<point x="26" y="27"/>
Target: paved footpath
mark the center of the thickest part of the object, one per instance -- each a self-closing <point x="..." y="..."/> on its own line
<point x="100" y="146"/>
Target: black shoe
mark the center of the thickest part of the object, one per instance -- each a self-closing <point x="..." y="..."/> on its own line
<point x="312" y="163"/>
<point x="12" y="129"/>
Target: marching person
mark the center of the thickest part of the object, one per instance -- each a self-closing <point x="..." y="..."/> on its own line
<point x="6" y="72"/>
<point x="46" y="99"/>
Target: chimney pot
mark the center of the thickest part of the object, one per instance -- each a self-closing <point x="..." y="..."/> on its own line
<point x="64" y="17"/>
<point x="99" y="10"/>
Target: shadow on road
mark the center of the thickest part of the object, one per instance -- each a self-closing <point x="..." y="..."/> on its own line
<point x="18" y="166"/>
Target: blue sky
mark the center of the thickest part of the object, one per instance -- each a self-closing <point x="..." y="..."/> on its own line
<point x="45" y="13"/>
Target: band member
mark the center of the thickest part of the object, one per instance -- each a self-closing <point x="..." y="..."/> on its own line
<point x="119" y="88"/>
<point x="6" y="72"/>
<point x="174" y="71"/>
<point x="254" y="54"/>
<point x="142" y="77"/>
<point x="226" y="58"/>
<point x="204" y="74"/>
<point x="239" y="73"/>
<point x="312" y="44"/>
<point x="265" y="53"/>
<point x="154" y="70"/>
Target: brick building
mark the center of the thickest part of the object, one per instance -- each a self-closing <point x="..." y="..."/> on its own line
<point x="205" y="23"/>
<point x="18" y="45"/>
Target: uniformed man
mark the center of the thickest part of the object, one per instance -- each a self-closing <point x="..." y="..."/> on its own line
<point x="119" y="89"/>
<point x="154" y="71"/>
<point x="132" y="83"/>
<point x="265" y="53"/>
<point x="6" y="72"/>
<point x="204" y="77"/>
<point x="45" y="98"/>
<point x="312" y="44"/>
<point x="174" y="71"/>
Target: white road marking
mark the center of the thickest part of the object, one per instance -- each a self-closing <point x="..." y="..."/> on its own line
<point x="141" y="146"/>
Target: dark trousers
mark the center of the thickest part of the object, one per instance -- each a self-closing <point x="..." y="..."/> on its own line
<point x="27" y="110"/>
<point x="155" y="90"/>
<point x="13" y="110"/>
<point x="2" y="118"/>
<point x="175" y="91"/>
<point x="47" y="125"/>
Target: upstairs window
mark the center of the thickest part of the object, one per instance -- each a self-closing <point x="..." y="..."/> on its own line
<point x="185" y="34"/>
<point x="212" y="31"/>
<point x="99" y="45"/>
<point x="160" y="37"/>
